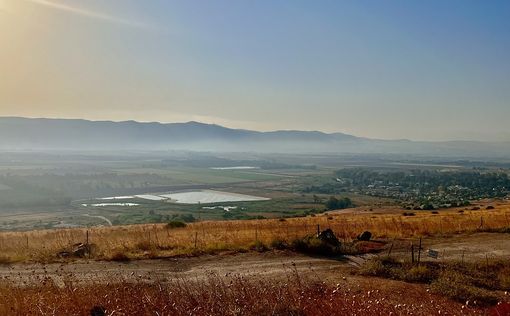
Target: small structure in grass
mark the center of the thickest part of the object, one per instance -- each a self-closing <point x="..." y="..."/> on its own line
<point x="365" y="236"/>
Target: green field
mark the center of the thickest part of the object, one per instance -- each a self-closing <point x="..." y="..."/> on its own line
<point x="48" y="190"/>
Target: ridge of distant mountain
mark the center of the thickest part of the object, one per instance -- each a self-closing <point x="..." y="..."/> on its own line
<point x="18" y="133"/>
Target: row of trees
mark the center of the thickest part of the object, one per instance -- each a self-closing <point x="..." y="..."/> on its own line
<point x="489" y="183"/>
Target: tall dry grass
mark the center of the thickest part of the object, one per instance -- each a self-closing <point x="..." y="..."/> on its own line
<point x="157" y="240"/>
<point x="216" y="295"/>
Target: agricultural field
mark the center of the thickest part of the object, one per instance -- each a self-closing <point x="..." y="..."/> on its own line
<point x="41" y="191"/>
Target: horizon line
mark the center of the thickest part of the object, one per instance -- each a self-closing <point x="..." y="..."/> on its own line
<point x="250" y="130"/>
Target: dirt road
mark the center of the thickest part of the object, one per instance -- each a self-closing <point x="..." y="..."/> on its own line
<point x="472" y="247"/>
<point x="269" y="264"/>
<point x="272" y="264"/>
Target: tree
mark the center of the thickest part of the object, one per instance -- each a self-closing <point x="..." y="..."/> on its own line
<point x="335" y="204"/>
<point x="332" y="203"/>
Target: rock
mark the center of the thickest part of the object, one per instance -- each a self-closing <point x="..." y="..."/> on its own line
<point x="80" y="250"/>
<point x="365" y="236"/>
<point x="64" y="254"/>
<point x="328" y="236"/>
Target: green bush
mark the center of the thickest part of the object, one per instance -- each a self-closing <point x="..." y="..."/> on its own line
<point x="176" y="224"/>
<point x="336" y="204"/>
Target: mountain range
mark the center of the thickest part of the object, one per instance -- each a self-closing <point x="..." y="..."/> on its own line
<point x="40" y="134"/>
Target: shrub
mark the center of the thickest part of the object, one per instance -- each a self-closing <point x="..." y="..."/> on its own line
<point x="335" y="204"/>
<point x="176" y="224"/>
<point x="5" y="259"/>
<point x="504" y="278"/>
<point x="188" y="218"/>
<point x="119" y="256"/>
<point x="456" y="286"/>
<point x="144" y="245"/>
<point x="460" y="282"/>
<point x="259" y="246"/>
<point x="381" y="267"/>
<point x="279" y="244"/>
<point x="419" y="273"/>
<point x="313" y="245"/>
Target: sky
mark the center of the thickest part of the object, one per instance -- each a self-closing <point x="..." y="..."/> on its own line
<point x="421" y="70"/>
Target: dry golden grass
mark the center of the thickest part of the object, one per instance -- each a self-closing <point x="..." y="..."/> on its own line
<point x="156" y="240"/>
<point x="217" y="295"/>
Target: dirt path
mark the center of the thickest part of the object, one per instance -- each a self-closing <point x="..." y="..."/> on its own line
<point x="473" y="247"/>
<point x="272" y="264"/>
<point x="100" y="217"/>
<point x="269" y="264"/>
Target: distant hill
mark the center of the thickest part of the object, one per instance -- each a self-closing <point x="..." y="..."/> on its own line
<point x="65" y="134"/>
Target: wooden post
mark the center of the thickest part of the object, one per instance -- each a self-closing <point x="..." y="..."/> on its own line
<point x="318" y="230"/>
<point x="487" y="264"/>
<point x="412" y="253"/>
<point x="391" y="248"/>
<point x="419" y="252"/>
<point x="88" y="247"/>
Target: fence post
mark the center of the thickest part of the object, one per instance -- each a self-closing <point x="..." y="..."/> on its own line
<point x="419" y="252"/>
<point x="487" y="265"/>
<point x="318" y="230"/>
<point x="88" y="247"/>
<point x="412" y="253"/>
<point x="391" y="248"/>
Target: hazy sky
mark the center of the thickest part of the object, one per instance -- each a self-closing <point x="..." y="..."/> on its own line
<point x="429" y="70"/>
